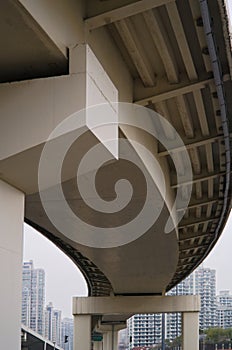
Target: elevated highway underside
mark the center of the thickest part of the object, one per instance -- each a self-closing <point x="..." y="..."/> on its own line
<point x="164" y="55"/>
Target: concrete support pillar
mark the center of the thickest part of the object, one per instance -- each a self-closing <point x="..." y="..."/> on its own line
<point x="115" y="340"/>
<point x="97" y="345"/>
<point x="190" y="330"/>
<point x="11" y="242"/>
<point x="106" y="343"/>
<point x="110" y="340"/>
<point x="82" y="332"/>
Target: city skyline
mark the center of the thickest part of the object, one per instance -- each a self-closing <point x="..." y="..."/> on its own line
<point x="202" y="282"/>
<point x="63" y="278"/>
<point x="37" y="313"/>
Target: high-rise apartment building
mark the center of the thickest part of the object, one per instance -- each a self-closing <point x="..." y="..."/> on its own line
<point x="205" y="286"/>
<point x="45" y="321"/>
<point x="224" y="309"/>
<point x="53" y="324"/>
<point x="33" y="297"/>
<point x="144" y="330"/>
<point x="57" y="326"/>
<point x="201" y="282"/>
<point x="67" y="334"/>
<point x="122" y="339"/>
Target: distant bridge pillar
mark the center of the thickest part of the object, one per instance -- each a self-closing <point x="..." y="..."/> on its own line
<point x="97" y="345"/>
<point x="106" y="341"/>
<point x="110" y="341"/>
<point x="110" y="335"/>
<point x="11" y="242"/>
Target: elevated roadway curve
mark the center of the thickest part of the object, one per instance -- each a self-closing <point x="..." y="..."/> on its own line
<point x="173" y="57"/>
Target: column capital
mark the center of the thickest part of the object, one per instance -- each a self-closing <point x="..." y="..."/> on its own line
<point x="130" y="305"/>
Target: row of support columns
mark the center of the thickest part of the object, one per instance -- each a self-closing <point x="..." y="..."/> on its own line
<point x="83" y="334"/>
<point x="110" y="335"/>
<point x="110" y="339"/>
<point x="106" y="307"/>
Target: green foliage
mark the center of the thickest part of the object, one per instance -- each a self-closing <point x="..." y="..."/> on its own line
<point x="176" y="342"/>
<point x="218" y="335"/>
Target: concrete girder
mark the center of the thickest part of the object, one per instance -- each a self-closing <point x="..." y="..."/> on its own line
<point x="136" y="52"/>
<point x="165" y="91"/>
<point x="162" y="44"/>
<point x="121" y="12"/>
<point x="182" y="41"/>
<point x="196" y="142"/>
<point x="130" y="305"/>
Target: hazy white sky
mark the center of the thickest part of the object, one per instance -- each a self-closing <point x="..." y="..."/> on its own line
<point x="229" y="2"/>
<point x="64" y="280"/>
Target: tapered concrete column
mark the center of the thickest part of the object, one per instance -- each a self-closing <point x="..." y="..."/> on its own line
<point x="115" y="340"/>
<point x="110" y="340"/>
<point x="82" y="332"/>
<point x="190" y="330"/>
<point x="11" y="238"/>
<point x="97" y="345"/>
<point x="110" y="334"/>
<point x="106" y="341"/>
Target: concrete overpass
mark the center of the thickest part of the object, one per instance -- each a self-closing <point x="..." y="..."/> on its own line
<point x="173" y="57"/>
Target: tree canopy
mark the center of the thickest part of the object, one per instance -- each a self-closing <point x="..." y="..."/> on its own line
<point x="218" y="335"/>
